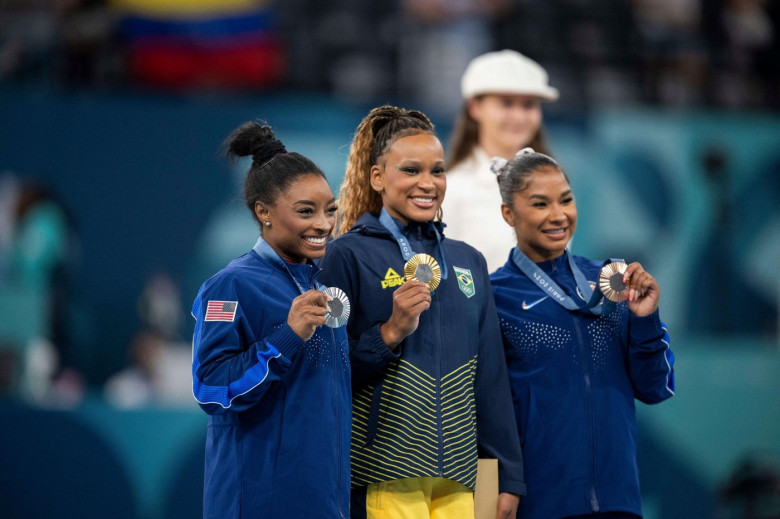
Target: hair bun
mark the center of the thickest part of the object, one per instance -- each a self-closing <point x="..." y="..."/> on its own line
<point x="497" y="164"/>
<point x="268" y="150"/>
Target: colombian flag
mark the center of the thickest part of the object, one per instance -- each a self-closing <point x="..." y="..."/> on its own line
<point x="202" y="43"/>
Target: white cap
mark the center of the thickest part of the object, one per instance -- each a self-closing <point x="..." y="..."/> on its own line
<point x="506" y="72"/>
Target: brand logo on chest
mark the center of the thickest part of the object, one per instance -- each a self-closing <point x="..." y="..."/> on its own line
<point x="392" y="279"/>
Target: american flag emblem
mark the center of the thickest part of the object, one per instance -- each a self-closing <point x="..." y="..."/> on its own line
<point x="221" y="311"/>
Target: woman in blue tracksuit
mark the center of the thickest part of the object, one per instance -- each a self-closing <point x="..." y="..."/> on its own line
<point x="430" y="389"/>
<point x="274" y="381"/>
<point x="574" y="368"/>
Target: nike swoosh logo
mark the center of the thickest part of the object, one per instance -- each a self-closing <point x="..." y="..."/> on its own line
<point x="528" y="307"/>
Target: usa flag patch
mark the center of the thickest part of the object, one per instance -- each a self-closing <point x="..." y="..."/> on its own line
<point x="221" y="311"/>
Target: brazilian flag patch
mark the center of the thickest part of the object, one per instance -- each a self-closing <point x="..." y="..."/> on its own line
<point x="465" y="281"/>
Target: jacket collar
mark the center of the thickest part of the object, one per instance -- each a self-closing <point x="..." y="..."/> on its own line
<point x="369" y="224"/>
<point x="303" y="274"/>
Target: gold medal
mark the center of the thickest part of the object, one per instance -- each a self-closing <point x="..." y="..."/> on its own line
<point x="422" y="267"/>
<point x="338" y="307"/>
<point x="611" y="281"/>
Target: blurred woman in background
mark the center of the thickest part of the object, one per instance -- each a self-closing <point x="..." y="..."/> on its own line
<point x="502" y="113"/>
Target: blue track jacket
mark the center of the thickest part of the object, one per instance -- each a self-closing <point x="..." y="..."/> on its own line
<point x="279" y="408"/>
<point x="574" y="377"/>
<point x="429" y="407"/>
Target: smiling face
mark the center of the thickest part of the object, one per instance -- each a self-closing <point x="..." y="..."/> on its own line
<point x="301" y="219"/>
<point x="507" y="123"/>
<point x="410" y="178"/>
<point x="543" y="214"/>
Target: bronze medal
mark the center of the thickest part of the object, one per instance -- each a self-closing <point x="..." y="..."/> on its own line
<point x="611" y="282"/>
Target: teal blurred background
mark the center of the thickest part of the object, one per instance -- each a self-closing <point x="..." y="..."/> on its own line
<point x="674" y="163"/>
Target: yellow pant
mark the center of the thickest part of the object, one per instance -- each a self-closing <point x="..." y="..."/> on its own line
<point x="419" y="498"/>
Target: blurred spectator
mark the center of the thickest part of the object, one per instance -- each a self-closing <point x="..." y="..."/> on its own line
<point x="27" y="39"/>
<point x="87" y="49"/>
<point x="159" y="306"/>
<point x="439" y="40"/>
<point x="347" y="47"/>
<point x="158" y="373"/>
<point x="158" y="368"/>
<point x="742" y="38"/>
<point x="752" y="490"/>
<point x="39" y="248"/>
<point x="64" y="41"/>
<point x="671" y="50"/>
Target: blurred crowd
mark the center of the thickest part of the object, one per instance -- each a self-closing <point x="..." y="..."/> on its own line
<point x="46" y="325"/>
<point x="714" y="53"/>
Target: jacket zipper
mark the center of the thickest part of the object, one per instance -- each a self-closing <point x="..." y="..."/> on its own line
<point x="336" y="409"/>
<point x="439" y="411"/>
<point x="594" y="501"/>
<point x="437" y="360"/>
<point x="336" y="400"/>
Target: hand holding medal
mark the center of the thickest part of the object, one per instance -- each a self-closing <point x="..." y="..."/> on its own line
<point x="307" y="312"/>
<point x="630" y="283"/>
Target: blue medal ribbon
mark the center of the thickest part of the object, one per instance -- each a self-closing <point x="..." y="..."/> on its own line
<point x="591" y="298"/>
<point x="403" y="244"/>
<point x="267" y="253"/>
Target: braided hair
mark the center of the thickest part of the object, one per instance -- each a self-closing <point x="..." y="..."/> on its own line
<point x="375" y="135"/>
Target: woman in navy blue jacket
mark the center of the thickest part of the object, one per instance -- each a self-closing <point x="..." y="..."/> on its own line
<point x="274" y="381"/>
<point x="575" y="365"/>
<point x="430" y="388"/>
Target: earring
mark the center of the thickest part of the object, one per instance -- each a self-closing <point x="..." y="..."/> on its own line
<point x="267" y="224"/>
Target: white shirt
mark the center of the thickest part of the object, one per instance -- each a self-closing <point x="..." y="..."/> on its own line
<point x="472" y="210"/>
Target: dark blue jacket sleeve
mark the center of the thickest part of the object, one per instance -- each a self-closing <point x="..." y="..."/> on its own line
<point x="231" y="370"/>
<point x="496" y="425"/>
<point x="368" y="353"/>
<point x="650" y="360"/>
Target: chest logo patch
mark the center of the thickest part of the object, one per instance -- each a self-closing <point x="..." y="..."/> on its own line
<point x="392" y="279"/>
<point x="465" y="281"/>
<point x="528" y="306"/>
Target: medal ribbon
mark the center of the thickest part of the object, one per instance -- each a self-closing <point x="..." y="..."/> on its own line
<point x="267" y="253"/>
<point x="551" y="288"/>
<point x="403" y="244"/>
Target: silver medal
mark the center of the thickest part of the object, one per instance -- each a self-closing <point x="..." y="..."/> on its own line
<point x="338" y="307"/>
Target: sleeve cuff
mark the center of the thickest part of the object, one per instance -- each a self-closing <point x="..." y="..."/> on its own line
<point x="379" y="346"/>
<point x="285" y="340"/>
<point x="646" y="327"/>
<point x="512" y="486"/>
